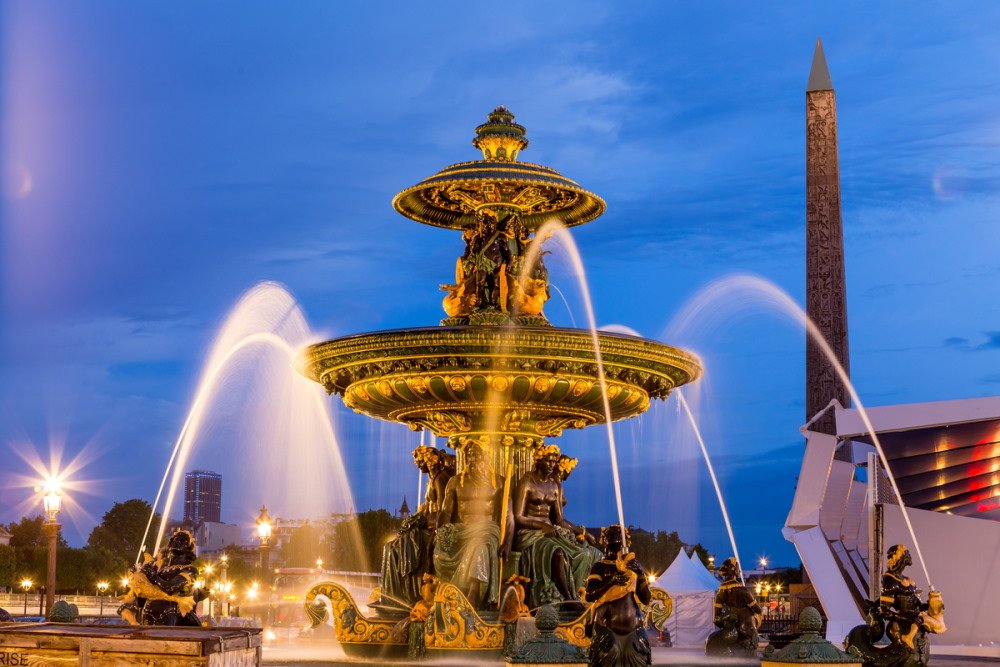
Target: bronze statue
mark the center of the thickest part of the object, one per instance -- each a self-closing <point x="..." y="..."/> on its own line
<point x="616" y="588"/>
<point x="900" y="615"/>
<point x="161" y="590"/>
<point x="408" y="556"/>
<point x="468" y="541"/>
<point x="488" y="274"/>
<point x="737" y="615"/>
<point x="440" y="468"/>
<point x="554" y="552"/>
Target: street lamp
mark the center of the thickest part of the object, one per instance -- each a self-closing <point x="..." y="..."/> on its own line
<point x="26" y="586"/>
<point x="264" y="527"/>
<point x="224" y="564"/>
<point x="52" y="502"/>
<point x="319" y="564"/>
<point x="763" y="566"/>
<point x="102" y="588"/>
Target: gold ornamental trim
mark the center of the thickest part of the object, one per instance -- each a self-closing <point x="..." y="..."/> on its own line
<point x="530" y="380"/>
<point x="350" y="625"/>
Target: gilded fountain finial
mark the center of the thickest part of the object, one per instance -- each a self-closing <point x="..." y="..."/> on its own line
<point x="500" y="138"/>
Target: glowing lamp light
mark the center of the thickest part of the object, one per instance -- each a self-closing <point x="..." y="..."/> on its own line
<point x="264" y="526"/>
<point x="26" y="584"/>
<point x="52" y="503"/>
<point x="763" y="561"/>
<point x="252" y="593"/>
<point x="319" y="563"/>
<point x="102" y="586"/>
<point x="209" y="569"/>
<point x="651" y="578"/>
<point x="224" y="558"/>
<point x="124" y="582"/>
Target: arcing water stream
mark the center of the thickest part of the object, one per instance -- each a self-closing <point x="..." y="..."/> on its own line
<point x="695" y="308"/>
<point x="546" y="231"/>
<point x="620" y="328"/>
<point x="290" y="430"/>
<point x="698" y="307"/>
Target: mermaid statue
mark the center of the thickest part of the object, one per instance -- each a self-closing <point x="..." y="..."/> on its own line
<point x="900" y="615"/>
<point x="161" y="590"/>
<point x="737" y="615"/>
<point x="616" y="588"/>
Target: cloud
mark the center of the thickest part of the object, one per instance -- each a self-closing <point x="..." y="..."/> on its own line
<point x="992" y="341"/>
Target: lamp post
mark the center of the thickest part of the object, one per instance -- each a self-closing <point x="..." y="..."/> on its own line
<point x="264" y="527"/>
<point x="52" y="502"/>
<point x="26" y="587"/>
<point x="763" y="565"/>
<point x="102" y="588"/>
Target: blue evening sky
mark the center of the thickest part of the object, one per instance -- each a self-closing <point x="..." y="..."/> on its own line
<point x="161" y="158"/>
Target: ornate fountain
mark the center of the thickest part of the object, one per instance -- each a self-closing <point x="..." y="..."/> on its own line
<point x="499" y="382"/>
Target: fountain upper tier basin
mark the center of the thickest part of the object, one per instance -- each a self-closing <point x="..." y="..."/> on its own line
<point x="527" y="381"/>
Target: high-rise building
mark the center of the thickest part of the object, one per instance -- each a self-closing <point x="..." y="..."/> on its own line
<point x="202" y="497"/>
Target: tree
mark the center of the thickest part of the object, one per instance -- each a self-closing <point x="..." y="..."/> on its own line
<point x="8" y="566"/>
<point x="121" y="530"/>
<point x="28" y="533"/>
<point x="302" y="547"/>
<point x="356" y="544"/>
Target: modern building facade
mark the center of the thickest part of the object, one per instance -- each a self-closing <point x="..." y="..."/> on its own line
<point x="202" y="497"/>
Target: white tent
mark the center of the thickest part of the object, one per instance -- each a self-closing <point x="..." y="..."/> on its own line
<point x="692" y="588"/>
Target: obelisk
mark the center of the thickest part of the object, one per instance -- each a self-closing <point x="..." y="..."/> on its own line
<point x="826" y="288"/>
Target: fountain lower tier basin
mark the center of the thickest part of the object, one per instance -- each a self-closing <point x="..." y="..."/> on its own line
<point x="525" y="381"/>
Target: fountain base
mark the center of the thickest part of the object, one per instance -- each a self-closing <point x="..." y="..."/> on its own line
<point x="96" y="645"/>
<point x="453" y="628"/>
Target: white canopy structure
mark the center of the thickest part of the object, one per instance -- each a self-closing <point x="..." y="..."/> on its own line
<point x="945" y="456"/>
<point x="692" y="589"/>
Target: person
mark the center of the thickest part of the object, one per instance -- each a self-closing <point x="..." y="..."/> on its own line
<point x="555" y="554"/>
<point x="616" y="586"/>
<point x="467" y="545"/>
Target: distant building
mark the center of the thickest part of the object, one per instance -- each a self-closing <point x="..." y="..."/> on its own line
<point x="404" y="509"/>
<point x="202" y="497"/>
<point x="212" y="537"/>
<point x="4" y="536"/>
